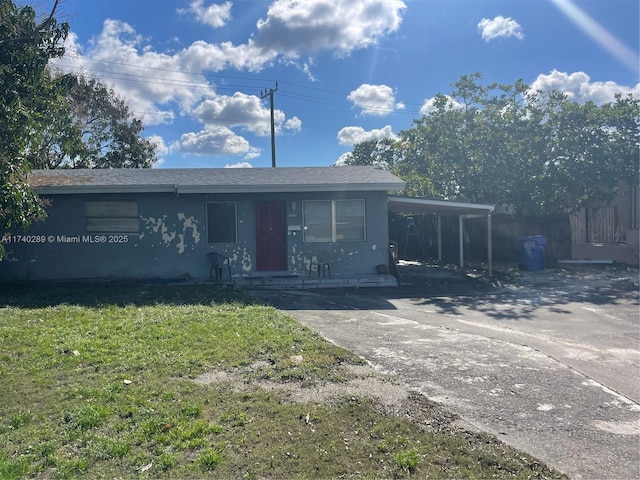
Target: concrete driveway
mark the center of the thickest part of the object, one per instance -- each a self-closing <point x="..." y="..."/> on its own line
<point x="548" y="361"/>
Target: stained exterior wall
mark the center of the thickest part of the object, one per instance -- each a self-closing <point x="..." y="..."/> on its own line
<point x="623" y="242"/>
<point x="172" y="240"/>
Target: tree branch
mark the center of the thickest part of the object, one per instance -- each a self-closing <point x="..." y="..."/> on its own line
<point x="37" y="31"/>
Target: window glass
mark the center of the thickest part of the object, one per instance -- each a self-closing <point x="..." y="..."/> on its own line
<point x="112" y="217"/>
<point x="317" y="221"/>
<point x="111" y="209"/>
<point x="221" y="222"/>
<point x="334" y="220"/>
<point x="113" y="225"/>
<point x="350" y="220"/>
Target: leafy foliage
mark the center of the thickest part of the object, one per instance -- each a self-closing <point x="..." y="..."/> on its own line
<point x="26" y="94"/>
<point x="506" y="144"/>
<point x="92" y="128"/>
<point x="374" y="152"/>
<point x="53" y="121"/>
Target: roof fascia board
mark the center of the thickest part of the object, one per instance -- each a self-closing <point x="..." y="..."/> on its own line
<point x="364" y="187"/>
<point x="442" y="204"/>
<point x="88" y="189"/>
<point x="76" y="189"/>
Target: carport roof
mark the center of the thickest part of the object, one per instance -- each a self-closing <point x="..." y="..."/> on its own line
<point x="443" y="207"/>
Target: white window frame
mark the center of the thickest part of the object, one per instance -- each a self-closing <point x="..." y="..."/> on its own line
<point x="335" y="234"/>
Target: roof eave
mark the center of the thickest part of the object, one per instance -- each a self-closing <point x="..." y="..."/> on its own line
<point x="195" y="189"/>
<point x="88" y="189"/>
<point x="359" y="187"/>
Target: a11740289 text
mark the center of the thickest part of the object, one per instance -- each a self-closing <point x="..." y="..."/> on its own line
<point x="18" y="239"/>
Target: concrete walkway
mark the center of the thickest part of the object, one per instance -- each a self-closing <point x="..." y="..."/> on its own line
<point x="549" y="365"/>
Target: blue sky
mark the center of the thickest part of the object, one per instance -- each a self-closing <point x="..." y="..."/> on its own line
<point x="347" y="70"/>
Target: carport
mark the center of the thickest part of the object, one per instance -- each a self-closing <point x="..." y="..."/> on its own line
<point x="444" y="207"/>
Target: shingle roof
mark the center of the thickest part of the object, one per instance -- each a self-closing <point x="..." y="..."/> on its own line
<point x="214" y="180"/>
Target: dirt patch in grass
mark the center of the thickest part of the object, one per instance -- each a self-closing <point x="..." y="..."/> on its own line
<point x="371" y="420"/>
<point x="108" y="382"/>
<point x="360" y="380"/>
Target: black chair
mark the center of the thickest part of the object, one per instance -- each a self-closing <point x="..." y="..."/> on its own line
<point x="219" y="263"/>
<point x="321" y="262"/>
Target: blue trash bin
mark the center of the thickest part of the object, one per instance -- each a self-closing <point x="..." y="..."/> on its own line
<point x="533" y="249"/>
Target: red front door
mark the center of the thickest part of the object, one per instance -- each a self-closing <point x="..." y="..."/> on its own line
<point x="271" y="236"/>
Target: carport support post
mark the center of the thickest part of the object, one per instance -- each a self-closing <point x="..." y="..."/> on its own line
<point x="461" y="234"/>
<point x="489" y="246"/>
<point x="439" y="217"/>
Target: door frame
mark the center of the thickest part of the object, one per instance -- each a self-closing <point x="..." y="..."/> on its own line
<point x="264" y="258"/>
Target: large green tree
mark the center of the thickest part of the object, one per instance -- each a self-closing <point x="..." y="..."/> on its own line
<point x="26" y="94"/>
<point x="506" y="144"/>
<point x="92" y="128"/>
<point x="381" y="152"/>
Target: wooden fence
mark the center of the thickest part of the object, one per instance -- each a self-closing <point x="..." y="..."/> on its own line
<point x="596" y="226"/>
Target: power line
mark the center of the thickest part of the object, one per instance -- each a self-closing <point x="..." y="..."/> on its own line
<point x="201" y="84"/>
<point x="171" y="70"/>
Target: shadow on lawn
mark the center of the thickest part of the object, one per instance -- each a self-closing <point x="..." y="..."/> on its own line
<point x="90" y="294"/>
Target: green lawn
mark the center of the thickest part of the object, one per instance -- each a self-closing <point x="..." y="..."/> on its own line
<point x="97" y="381"/>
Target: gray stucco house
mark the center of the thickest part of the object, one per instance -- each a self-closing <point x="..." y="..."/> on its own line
<point x="162" y="223"/>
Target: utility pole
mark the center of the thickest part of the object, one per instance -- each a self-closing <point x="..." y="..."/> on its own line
<point x="264" y="94"/>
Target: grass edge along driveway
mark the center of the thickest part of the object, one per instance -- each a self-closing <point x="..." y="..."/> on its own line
<point x="101" y="381"/>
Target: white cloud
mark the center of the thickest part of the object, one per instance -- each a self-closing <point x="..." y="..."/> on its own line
<point x="238" y="110"/>
<point x="202" y="56"/>
<point x="500" y="27"/>
<point x="152" y="82"/>
<point x="295" y="27"/>
<point x="294" y="124"/>
<point x="343" y="159"/>
<point x="429" y="105"/>
<point x="374" y="99"/>
<point x="355" y="135"/>
<point x="158" y="86"/>
<point x="217" y="141"/>
<point x="247" y="111"/>
<point x="306" y="68"/>
<point x="290" y="29"/>
<point x="214" y="15"/>
<point x="161" y="148"/>
<point x="148" y="81"/>
<point x="239" y="165"/>
<point x="579" y="88"/>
